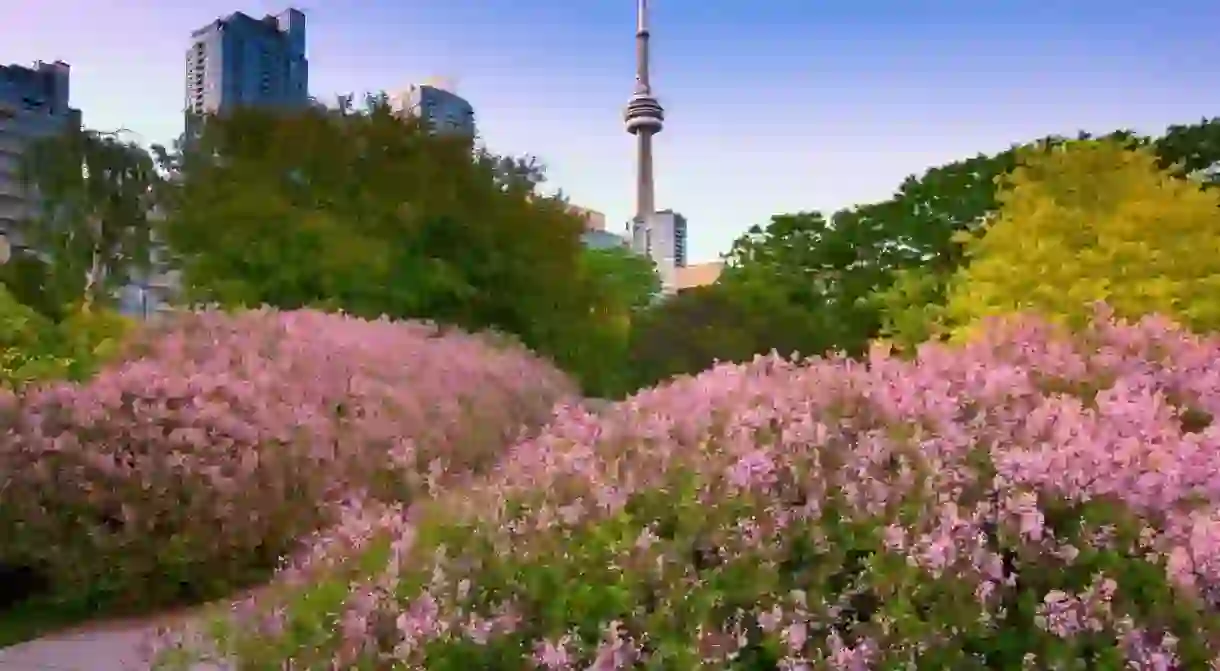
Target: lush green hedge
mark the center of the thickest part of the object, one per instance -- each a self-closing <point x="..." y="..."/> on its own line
<point x="34" y="349"/>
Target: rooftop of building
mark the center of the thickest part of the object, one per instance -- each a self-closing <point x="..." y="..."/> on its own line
<point x="697" y="275"/>
<point x="15" y="70"/>
<point x="42" y="87"/>
<point x="598" y="239"/>
<point x="593" y="220"/>
<point x="269" y="22"/>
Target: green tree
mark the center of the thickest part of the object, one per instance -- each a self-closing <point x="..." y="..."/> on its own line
<point x="1191" y="149"/>
<point x="91" y="230"/>
<point x="912" y="307"/>
<point x="931" y="210"/>
<point x="823" y="267"/>
<point x="618" y="285"/>
<point x="363" y="210"/>
<point x="627" y="279"/>
<point x="33" y="348"/>
<point x="883" y="268"/>
<point x="1095" y="221"/>
<point x="688" y="333"/>
<point x="28" y="349"/>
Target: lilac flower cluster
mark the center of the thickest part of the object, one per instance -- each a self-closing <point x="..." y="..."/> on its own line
<point x="1027" y="501"/>
<point x="202" y="457"/>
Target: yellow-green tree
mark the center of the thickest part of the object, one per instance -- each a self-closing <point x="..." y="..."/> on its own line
<point x="1093" y="221"/>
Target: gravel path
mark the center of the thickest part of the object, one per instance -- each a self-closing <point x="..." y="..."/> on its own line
<point x="106" y="649"/>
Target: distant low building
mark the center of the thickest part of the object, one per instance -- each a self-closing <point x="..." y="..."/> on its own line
<point x="595" y="235"/>
<point x="443" y="109"/>
<point x="593" y="220"/>
<point x="697" y="275"/>
<point x="595" y="239"/>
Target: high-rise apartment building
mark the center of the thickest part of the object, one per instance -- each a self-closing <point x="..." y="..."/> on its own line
<point x="239" y="60"/>
<point x="437" y="105"/>
<point x="33" y="105"/>
<point x="662" y="237"/>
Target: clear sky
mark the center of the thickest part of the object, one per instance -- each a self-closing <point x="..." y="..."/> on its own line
<point x="773" y="105"/>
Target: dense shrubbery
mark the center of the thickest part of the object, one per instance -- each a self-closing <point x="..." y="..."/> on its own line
<point x="24" y="352"/>
<point x="33" y="348"/>
<point x="689" y="333"/>
<point x="195" y="462"/>
<point x="1027" y="501"/>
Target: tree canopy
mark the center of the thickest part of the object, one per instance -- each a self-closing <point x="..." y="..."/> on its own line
<point x="883" y="269"/>
<point x="628" y="280"/>
<point x="687" y="333"/>
<point x="1094" y="221"/>
<point x="91" y="231"/>
<point x="369" y="212"/>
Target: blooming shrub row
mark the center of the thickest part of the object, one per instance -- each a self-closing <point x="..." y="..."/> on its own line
<point x="1028" y="501"/>
<point x="200" y="459"/>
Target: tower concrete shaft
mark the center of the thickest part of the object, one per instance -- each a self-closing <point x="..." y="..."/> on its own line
<point x="645" y="187"/>
<point x="644" y="117"/>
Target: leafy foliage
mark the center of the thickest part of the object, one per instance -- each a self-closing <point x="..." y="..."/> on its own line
<point x="368" y="212"/>
<point x="853" y="267"/>
<point x="975" y="508"/>
<point x="219" y="442"/>
<point x="626" y="279"/>
<point x="688" y="333"/>
<point x="912" y="307"/>
<point x="1093" y="221"/>
<point x="35" y="349"/>
<point x="824" y="268"/>
<point x="92" y="231"/>
<point x="92" y="338"/>
<point x="1191" y="149"/>
<point x="26" y="353"/>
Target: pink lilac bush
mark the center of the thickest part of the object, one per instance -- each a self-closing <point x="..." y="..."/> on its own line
<point x="202" y="457"/>
<point x="1028" y="501"/>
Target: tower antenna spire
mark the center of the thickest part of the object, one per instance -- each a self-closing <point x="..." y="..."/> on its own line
<point x="644" y="118"/>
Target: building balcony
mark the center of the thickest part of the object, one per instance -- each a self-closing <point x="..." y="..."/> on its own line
<point x="12" y="189"/>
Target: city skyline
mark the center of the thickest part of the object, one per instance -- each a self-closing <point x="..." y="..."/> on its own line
<point x="786" y="107"/>
<point x="660" y="237"/>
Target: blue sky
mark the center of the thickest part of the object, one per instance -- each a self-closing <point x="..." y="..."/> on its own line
<point x="802" y="104"/>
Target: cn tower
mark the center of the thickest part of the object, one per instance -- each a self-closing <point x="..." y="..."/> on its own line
<point x="644" y="118"/>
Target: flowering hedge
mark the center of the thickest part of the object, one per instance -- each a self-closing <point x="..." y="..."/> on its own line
<point x="1028" y="501"/>
<point x="204" y="455"/>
